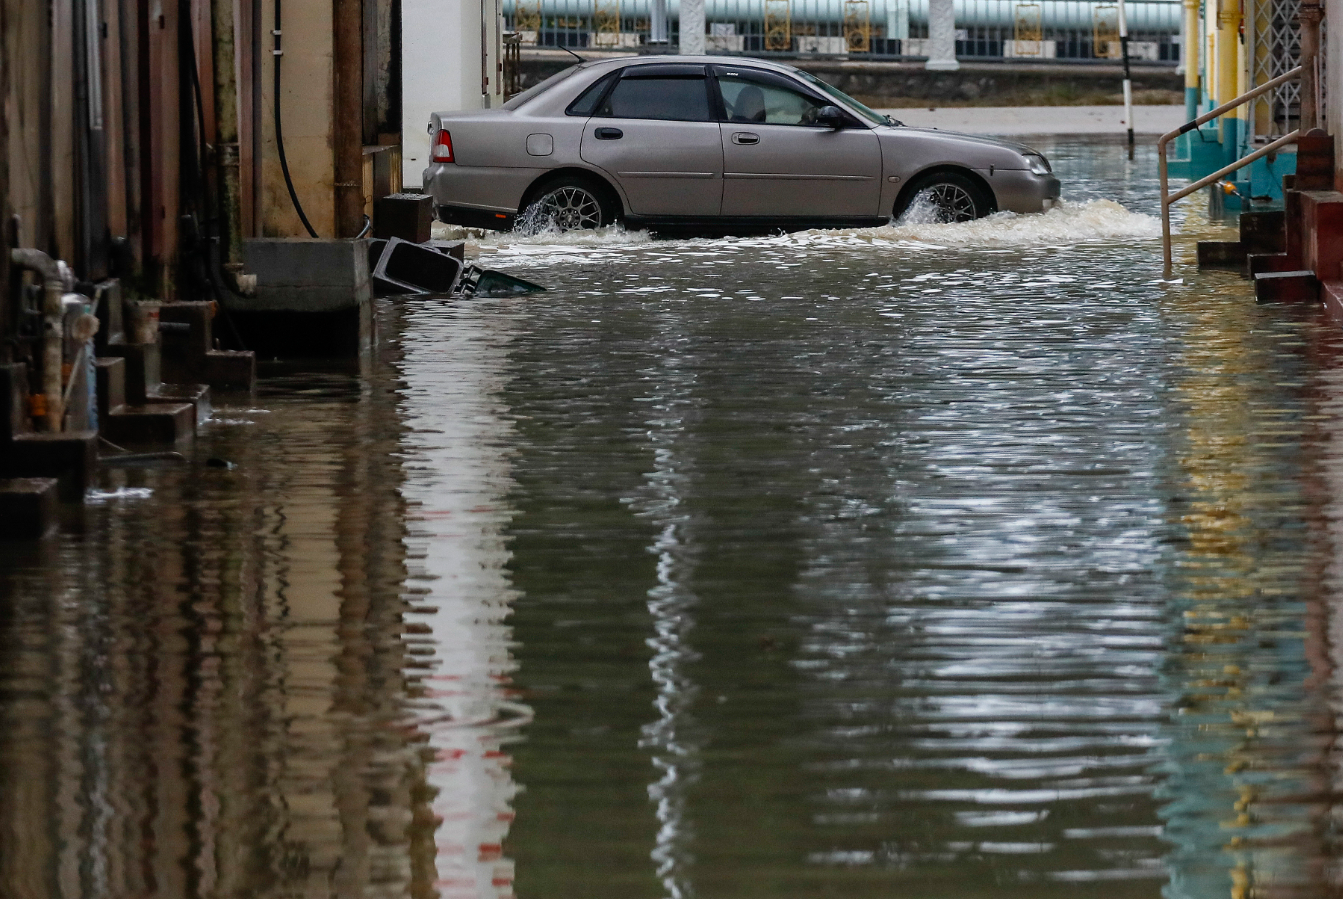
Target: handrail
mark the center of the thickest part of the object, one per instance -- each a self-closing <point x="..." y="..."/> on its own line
<point x="1167" y="200"/>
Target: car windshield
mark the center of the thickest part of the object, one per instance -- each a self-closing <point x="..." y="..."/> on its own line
<point x="875" y="118"/>
<point x="546" y="85"/>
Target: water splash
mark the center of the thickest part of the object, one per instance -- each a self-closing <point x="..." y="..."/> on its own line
<point x="1067" y="224"/>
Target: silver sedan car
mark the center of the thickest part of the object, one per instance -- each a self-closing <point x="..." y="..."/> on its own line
<point x="712" y="144"/>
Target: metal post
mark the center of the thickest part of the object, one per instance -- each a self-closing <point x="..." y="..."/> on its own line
<point x="942" y="36"/>
<point x="1128" y="80"/>
<point x="692" y="27"/>
<point x="227" y="156"/>
<point x="348" y="127"/>
<point x="657" y="23"/>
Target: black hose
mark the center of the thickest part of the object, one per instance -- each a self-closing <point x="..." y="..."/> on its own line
<point x="279" y="134"/>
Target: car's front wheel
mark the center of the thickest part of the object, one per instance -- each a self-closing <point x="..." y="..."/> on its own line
<point x="567" y="204"/>
<point x="942" y="197"/>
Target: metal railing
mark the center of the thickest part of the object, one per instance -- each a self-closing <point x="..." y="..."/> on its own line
<point x="1056" y="30"/>
<point x="1167" y="198"/>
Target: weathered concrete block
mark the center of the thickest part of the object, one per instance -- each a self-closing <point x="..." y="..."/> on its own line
<point x="230" y="369"/>
<point x="407" y="216"/>
<point x="1268" y="262"/>
<point x="1314" y="161"/>
<point x="111" y="374"/>
<point x="70" y="456"/>
<point x="1263" y="231"/>
<point x="306" y="275"/>
<point x="1331" y="294"/>
<point x="27" y="508"/>
<point x="143" y="368"/>
<point x="1293" y="228"/>
<point x="110" y="326"/>
<point x="14" y="418"/>
<point x="1221" y="254"/>
<point x="157" y="424"/>
<point x="1322" y="237"/>
<point x="1286" y="287"/>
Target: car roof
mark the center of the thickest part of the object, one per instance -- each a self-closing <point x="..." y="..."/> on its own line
<point x="622" y="61"/>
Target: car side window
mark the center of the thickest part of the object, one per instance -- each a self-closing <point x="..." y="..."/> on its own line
<point x="758" y="98"/>
<point x="677" y="98"/>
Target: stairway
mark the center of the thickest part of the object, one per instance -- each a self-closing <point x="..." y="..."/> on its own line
<point x="1293" y="255"/>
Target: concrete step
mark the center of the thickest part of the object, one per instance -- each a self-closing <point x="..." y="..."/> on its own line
<point x="1256" y="263"/>
<point x="1331" y="294"/>
<point x="189" y="355"/>
<point x="1286" y="287"/>
<point x="111" y="374"/>
<point x="198" y="395"/>
<point x="1224" y="254"/>
<point x="143" y="368"/>
<point x="14" y="418"/>
<point x="1322" y="232"/>
<point x="155" y="424"/>
<point x="70" y="457"/>
<point x="1263" y="231"/>
<point x="27" y="508"/>
<point x="230" y="369"/>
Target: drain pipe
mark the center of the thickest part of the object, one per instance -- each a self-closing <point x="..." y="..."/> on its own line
<point x="54" y="276"/>
<point x="227" y="157"/>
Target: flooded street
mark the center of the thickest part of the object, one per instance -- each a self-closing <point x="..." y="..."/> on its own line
<point x="928" y="561"/>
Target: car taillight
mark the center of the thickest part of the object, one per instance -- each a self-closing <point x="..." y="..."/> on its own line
<point x="442" y="151"/>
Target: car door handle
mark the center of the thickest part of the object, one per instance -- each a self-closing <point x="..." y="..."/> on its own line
<point x="745" y="137"/>
<point x="609" y="134"/>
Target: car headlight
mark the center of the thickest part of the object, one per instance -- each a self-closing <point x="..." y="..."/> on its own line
<point x="1037" y="164"/>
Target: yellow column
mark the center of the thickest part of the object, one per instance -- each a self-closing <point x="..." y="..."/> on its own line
<point x="1191" y="55"/>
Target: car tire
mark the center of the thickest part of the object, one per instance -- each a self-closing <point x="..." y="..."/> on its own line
<point x="950" y="197"/>
<point x="571" y="203"/>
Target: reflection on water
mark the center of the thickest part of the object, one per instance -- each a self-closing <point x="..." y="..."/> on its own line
<point x="941" y="561"/>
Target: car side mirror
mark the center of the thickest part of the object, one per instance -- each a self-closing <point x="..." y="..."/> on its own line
<point x="830" y="117"/>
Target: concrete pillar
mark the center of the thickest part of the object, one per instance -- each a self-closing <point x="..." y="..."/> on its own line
<point x="1189" y="59"/>
<point x="1228" y="58"/>
<point x="692" y="27"/>
<point x="941" y="36"/>
<point x="1310" y="49"/>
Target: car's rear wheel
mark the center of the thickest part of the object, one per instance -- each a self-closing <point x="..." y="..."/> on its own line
<point x="568" y="204"/>
<point x="942" y="197"/>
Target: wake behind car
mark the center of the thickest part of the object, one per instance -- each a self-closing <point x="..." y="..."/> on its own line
<point x="711" y="143"/>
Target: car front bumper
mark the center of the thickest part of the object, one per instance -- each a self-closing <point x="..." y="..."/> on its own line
<point x="1022" y="191"/>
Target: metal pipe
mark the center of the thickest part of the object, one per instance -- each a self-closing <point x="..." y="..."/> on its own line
<point x="53" y="314"/>
<point x="1169" y="136"/>
<point x="348" y="51"/>
<point x="1128" y="77"/>
<point x="227" y="157"/>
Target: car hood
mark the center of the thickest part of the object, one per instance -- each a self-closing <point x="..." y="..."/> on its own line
<point x="977" y="139"/>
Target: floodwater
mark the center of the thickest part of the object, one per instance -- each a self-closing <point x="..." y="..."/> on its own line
<point x="928" y="561"/>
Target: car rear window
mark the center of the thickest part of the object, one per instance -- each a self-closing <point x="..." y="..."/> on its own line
<point x="653" y="94"/>
<point x="536" y="89"/>
<point x="586" y="104"/>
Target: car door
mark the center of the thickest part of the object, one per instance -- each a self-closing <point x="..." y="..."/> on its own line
<point x="778" y="162"/>
<point x="655" y="134"/>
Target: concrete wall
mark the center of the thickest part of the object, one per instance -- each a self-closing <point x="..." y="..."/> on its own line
<point x="307" y="110"/>
<point x="450" y="60"/>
